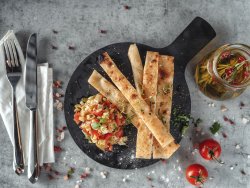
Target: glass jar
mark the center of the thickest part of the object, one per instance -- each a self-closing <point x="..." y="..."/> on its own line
<point x="224" y="73"/>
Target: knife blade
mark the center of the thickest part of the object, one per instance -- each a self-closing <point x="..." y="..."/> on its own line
<point x="31" y="73"/>
<point x="31" y="102"/>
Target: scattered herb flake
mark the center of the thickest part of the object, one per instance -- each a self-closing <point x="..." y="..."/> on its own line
<point x="180" y="120"/>
<point x="57" y="84"/>
<point x="57" y="149"/>
<point x="50" y="177"/>
<point x="126" y="7"/>
<point x="223" y="108"/>
<point x="56" y="173"/>
<point x="54" y="47"/>
<point x="149" y="178"/>
<point x="167" y="88"/>
<point x="57" y="95"/>
<point x="71" y="171"/>
<point x="66" y="177"/>
<point x="184" y="130"/>
<point x="71" y="47"/>
<point x="164" y="161"/>
<point x="228" y="120"/>
<point x="84" y="175"/>
<point x="196" y="122"/>
<point x="243" y="172"/>
<point x="215" y="127"/>
<point x="54" y="31"/>
<point x="241" y="105"/>
<point x="224" y="135"/>
<point x="103" y="31"/>
<point x="47" y="167"/>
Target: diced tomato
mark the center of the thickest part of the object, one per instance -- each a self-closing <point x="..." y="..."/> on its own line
<point x="111" y="116"/>
<point x="98" y="113"/>
<point x="95" y="133"/>
<point x="119" y="121"/>
<point x="86" y="132"/>
<point x="107" y="103"/>
<point x="112" y="105"/>
<point x="76" y="117"/>
<point x="119" y="134"/>
<point x="110" y="148"/>
<point x="107" y="136"/>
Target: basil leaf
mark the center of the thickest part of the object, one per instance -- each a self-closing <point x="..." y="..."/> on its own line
<point x="215" y="127"/>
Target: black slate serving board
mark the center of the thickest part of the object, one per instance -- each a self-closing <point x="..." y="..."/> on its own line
<point x="197" y="34"/>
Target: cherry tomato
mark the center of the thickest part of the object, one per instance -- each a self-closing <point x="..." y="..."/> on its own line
<point x="98" y="113"/>
<point x="225" y="54"/>
<point x="229" y="71"/>
<point x="241" y="58"/>
<point x="210" y="149"/>
<point x="246" y="65"/>
<point x="246" y="74"/>
<point x="196" y="174"/>
<point x="76" y="117"/>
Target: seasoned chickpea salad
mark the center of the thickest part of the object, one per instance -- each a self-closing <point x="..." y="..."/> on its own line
<point x="100" y="121"/>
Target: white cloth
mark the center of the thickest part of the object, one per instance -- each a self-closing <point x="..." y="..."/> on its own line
<point x="45" y="106"/>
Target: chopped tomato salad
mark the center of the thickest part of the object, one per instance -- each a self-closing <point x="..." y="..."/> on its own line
<point x="100" y="121"/>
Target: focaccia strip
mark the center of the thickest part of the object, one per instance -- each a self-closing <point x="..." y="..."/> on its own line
<point x="164" y="104"/>
<point x="140" y="107"/>
<point x="144" y="142"/>
<point x="137" y="68"/>
<point x="109" y="91"/>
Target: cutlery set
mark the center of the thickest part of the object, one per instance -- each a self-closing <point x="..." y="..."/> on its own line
<point x="14" y="73"/>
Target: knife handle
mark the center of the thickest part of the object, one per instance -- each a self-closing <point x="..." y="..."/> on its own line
<point x="33" y="165"/>
<point x="18" y="162"/>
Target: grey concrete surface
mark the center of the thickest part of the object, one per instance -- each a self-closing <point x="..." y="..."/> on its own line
<point x="152" y="22"/>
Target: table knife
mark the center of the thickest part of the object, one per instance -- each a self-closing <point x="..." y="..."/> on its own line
<point x="31" y="102"/>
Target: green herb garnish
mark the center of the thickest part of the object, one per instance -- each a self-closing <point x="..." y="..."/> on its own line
<point x="215" y="127"/>
<point x="71" y="171"/>
<point x="84" y="100"/>
<point x="128" y="119"/>
<point x="95" y="125"/>
<point x="103" y="120"/>
<point x="114" y="125"/>
<point x="196" y="122"/>
<point x="180" y="119"/>
<point x="163" y="120"/>
<point x="184" y="130"/>
<point x="166" y="88"/>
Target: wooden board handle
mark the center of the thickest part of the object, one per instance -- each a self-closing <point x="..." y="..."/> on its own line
<point x="194" y="37"/>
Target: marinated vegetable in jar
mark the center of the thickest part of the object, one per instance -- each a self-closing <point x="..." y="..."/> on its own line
<point x="225" y="72"/>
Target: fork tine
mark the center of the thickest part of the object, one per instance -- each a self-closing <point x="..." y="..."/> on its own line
<point x="7" y="54"/>
<point x="14" y="52"/>
<point x="12" y="61"/>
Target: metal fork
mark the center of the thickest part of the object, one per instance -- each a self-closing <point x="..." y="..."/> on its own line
<point x="14" y="72"/>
